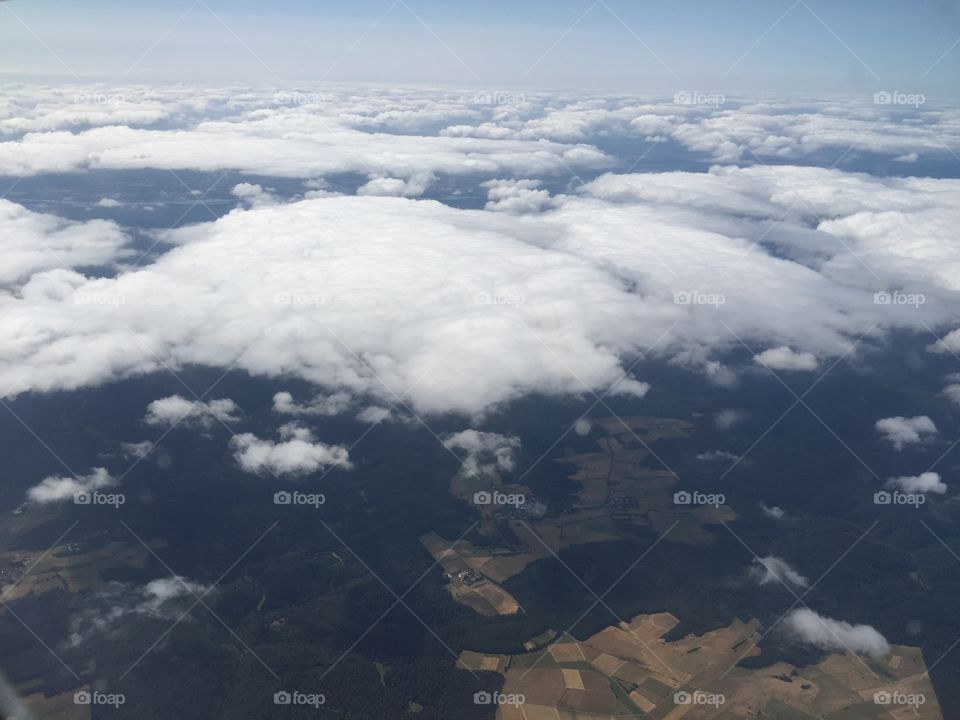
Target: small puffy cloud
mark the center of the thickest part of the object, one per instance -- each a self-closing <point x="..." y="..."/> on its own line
<point x="397" y="187"/>
<point x="583" y="427"/>
<point x="811" y="628"/>
<point x="486" y="452"/>
<point x="297" y="453"/>
<point x="59" y="488"/>
<point x="516" y="196"/>
<point x="772" y="511"/>
<point x="948" y="344"/>
<point x="953" y="392"/>
<point x="253" y="195"/>
<point x="772" y="569"/>
<point x="375" y="415"/>
<point x="715" y="455"/>
<point x="719" y="374"/>
<point x="726" y="419"/>
<point x="327" y="406"/>
<point x="907" y="158"/>
<point x="901" y="431"/>
<point x="177" y="409"/>
<point x="109" y="203"/>
<point x="923" y="483"/>
<point x="136" y="450"/>
<point x="783" y="358"/>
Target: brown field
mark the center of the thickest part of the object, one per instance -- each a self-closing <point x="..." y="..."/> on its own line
<point x="61" y="569"/>
<point x="57" y="707"/>
<point x="651" y="670"/>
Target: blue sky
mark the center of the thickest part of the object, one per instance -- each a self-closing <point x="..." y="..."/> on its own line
<point x="778" y="46"/>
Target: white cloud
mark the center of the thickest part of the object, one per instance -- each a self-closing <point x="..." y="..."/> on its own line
<point x="178" y="410"/>
<point x="297" y="453"/>
<point x="901" y="431"/>
<point x="31" y="242"/>
<point x="583" y="427"/>
<point x="516" y="196"/>
<point x="772" y="569"/>
<point x="922" y="483"/>
<point x="157" y="599"/>
<point x="772" y="511"/>
<point x="328" y="405"/>
<point x="813" y="629"/>
<point x="397" y="187"/>
<point x="728" y="418"/>
<point x="59" y="488"/>
<point x="109" y="203"/>
<point x="253" y="195"/>
<point x="715" y="455"/>
<point x="783" y="358"/>
<point x="136" y="450"/>
<point x="953" y="392"/>
<point x="486" y="452"/>
<point x="375" y="415"/>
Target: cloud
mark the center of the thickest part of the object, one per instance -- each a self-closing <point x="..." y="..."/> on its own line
<point x="375" y="415"/>
<point x="516" y="196"/>
<point x="783" y="358"/>
<point x="163" y="598"/>
<point x="486" y="452"/>
<point x="922" y="483"/>
<point x="583" y="427"/>
<point x="715" y="455"/>
<point x="253" y="195"/>
<point x="136" y="450"/>
<point x="953" y="392"/>
<point x="728" y="418"/>
<point x="825" y="633"/>
<point x="298" y="453"/>
<point x="901" y="431"/>
<point x="772" y="511"/>
<point x="32" y="242"/>
<point x="397" y="187"/>
<point x="772" y="569"/>
<point x="328" y="406"/>
<point x="178" y="410"/>
<point x="379" y="292"/>
<point x="55" y="488"/>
